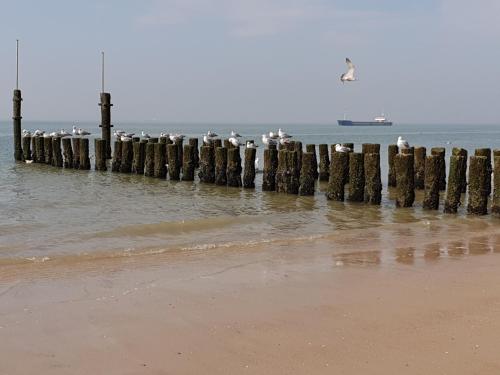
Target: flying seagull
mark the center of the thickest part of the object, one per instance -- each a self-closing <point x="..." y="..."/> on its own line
<point x="349" y="76"/>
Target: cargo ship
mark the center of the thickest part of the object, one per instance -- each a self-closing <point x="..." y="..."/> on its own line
<point x="377" y="121"/>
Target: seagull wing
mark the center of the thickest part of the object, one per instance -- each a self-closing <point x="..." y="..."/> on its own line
<point x="350" y="69"/>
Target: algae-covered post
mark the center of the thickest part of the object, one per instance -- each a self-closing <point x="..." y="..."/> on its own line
<point x="269" y="170"/>
<point x="67" y="153"/>
<point x="117" y="156"/>
<point x="188" y="163"/>
<point x="356" y="177"/>
<point x="419" y="166"/>
<point x="234" y="167"/>
<point x="34" y="149"/>
<point x="27" y="147"/>
<point x="47" y="146"/>
<point x="249" y="171"/>
<point x="76" y="152"/>
<point x="405" y="180"/>
<point x="127" y="156"/>
<point x="106" y="126"/>
<point x="457" y="151"/>
<point x="440" y="152"/>
<point x="18" y="151"/>
<point x="308" y="173"/>
<point x="324" y="163"/>
<point x="160" y="168"/>
<point x="100" y="154"/>
<point x="478" y="177"/>
<point x="487" y="153"/>
<point x="454" y="190"/>
<point x="57" y="159"/>
<point x="297" y="146"/>
<point x="149" y="160"/>
<point x="349" y="145"/>
<point x="221" y="166"/>
<point x="312" y="149"/>
<point x="495" y="207"/>
<point x="373" y="180"/>
<point x="40" y="151"/>
<point x="336" y="183"/>
<point x="139" y="150"/>
<point x="370" y="148"/>
<point x="194" y="142"/>
<point x="84" y="154"/>
<point x="216" y="143"/>
<point x="207" y="164"/>
<point x="392" y="151"/>
<point x="179" y="142"/>
<point x="174" y="167"/>
<point x="431" y="182"/>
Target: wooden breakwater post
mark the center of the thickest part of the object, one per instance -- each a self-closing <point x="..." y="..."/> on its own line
<point x="356" y="177"/>
<point x="349" y="145"/>
<point x="16" y="117"/>
<point x="34" y="149"/>
<point x="308" y="173"/>
<point x="495" y="206"/>
<point x="455" y="180"/>
<point x="312" y="149"/>
<point x="174" y="167"/>
<point x="194" y="143"/>
<point x="297" y="146"/>
<point x="287" y="174"/>
<point x="188" y="163"/>
<point x="216" y="143"/>
<point x="221" y="166"/>
<point x="100" y="154"/>
<point x="139" y="151"/>
<point x="419" y="155"/>
<point x="431" y="182"/>
<point x="234" y="167"/>
<point x="487" y="153"/>
<point x="26" y="144"/>
<point x="370" y="148"/>
<point x="57" y="159"/>
<point x="249" y="171"/>
<point x="149" y="160"/>
<point x="207" y="164"/>
<point x="373" y="179"/>
<point x="457" y="151"/>
<point x="76" y="152"/>
<point x="84" y="154"/>
<point x="324" y="163"/>
<point x="160" y="162"/>
<point x="392" y="151"/>
<point x="106" y="126"/>
<point x="441" y="153"/>
<point x="117" y="156"/>
<point x="127" y="156"/>
<point x="405" y="180"/>
<point x="269" y="169"/>
<point x="478" y="177"/>
<point x="47" y="147"/>
<point x="180" y="146"/>
<point x="40" y="151"/>
<point x="67" y="153"/>
<point x="336" y="183"/>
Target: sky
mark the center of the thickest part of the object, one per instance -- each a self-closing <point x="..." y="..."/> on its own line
<point x="253" y="61"/>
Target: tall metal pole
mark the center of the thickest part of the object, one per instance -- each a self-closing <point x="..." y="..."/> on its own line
<point x="105" y="105"/>
<point x="18" y="150"/>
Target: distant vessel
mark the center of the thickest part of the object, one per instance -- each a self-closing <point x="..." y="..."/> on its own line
<point x="377" y="121"/>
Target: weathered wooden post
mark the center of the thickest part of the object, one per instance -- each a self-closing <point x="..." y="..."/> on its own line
<point x="249" y="171"/>
<point x="67" y="153"/>
<point x="297" y="146"/>
<point x="312" y="149"/>
<point x="269" y="170"/>
<point x="160" y="163"/>
<point x="308" y="172"/>
<point x="221" y="166"/>
<point x="174" y="168"/>
<point x="40" y="150"/>
<point x="18" y="151"/>
<point x="440" y="152"/>
<point x="455" y="180"/>
<point x="487" y="153"/>
<point x="293" y="172"/>
<point x="496" y="152"/>
<point x="457" y="151"/>
<point x="336" y="183"/>
<point x="100" y="149"/>
<point x="207" y="164"/>
<point x="27" y="147"/>
<point x="408" y="151"/>
<point x="419" y="165"/>
<point x="227" y="144"/>
<point x="216" y="143"/>
<point x="47" y="146"/>
<point x="373" y="180"/>
<point x="136" y="139"/>
<point x="356" y="177"/>
<point x="34" y="149"/>
<point x="370" y="148"/>
<point x="324" y="163"/>
<point x="349" y="145"/>
<point x="76" y="152"/>
<point x="431" y="182"/>
<point x="495" y="207"/>
<point x="127" y="156"/>
<point x="117" y="156"/>
<point x="57" y="159"/>
<point x="139" y="151"/>
<point x="194" y="142"/>
<point x="180" y="146"/>
<point x="478" y="177"/>
<point x="234" y="167"/>
<point x="405" y="180"/>
<point x="188" y="163"/>
<point x="106" y="126"/>
<point x="149" y="160"/>
<point x="392" y="151"/>
<point x="287" y="175"/>
<point x="84" y="154"/>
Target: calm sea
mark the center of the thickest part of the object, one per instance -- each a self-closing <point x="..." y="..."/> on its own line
<point x="47" y="213"/>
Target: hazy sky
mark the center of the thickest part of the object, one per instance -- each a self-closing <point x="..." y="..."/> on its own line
<point x="254" y="60"/>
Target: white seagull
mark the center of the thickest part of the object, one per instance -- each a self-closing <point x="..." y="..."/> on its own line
<point x="349" y="76"/>
<point x="340" y="148"/>
<point x="26" y="133"/>
<point x="207" y="140"/>
<point x="39" y="133"/>
<point x="251" y="145"/>
<point x="402" y="143"/>
<point x="82" y="132"/>
<point x="234" y="134"/>
<point x="284" y="141"/>
<point x="162" y="134"/>
<point x="273" y="135"/>
<point x="282" y="134"/>
<point x="234" y="141"/>
<point x="63" y="133"/>
<point x="211" y="134"/>
<point x="53" y="134"/>
<point x="124" y="138"/>
<point x="145" y="135"/>
<point x="268" y="141"/>
<point x="175" y="137"/>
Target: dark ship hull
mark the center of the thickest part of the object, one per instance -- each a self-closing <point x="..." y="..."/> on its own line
<point x="364" y="123"/>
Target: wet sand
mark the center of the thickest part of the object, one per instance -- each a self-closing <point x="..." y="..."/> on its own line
<point x="313" y="307"/>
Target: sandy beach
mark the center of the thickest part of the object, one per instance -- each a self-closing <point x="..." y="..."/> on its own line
<point x="299" y="307"/>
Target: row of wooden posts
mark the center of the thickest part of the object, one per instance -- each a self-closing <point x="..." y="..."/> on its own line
<point x="291" y="170"/>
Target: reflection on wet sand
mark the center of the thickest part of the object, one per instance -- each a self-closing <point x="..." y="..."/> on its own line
<point x="479" y="245"/>
<point x="360" y="258"/>
<point x="432" y="251"/>
<point x="456" y="248"/>
<point x="405" y="255"/>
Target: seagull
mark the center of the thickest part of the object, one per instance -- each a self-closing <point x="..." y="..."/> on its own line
<point x="250" y="144"/>
<point x="82" y="132"/>
<point x="282" y="134"/>
<point x="145" y="135"/>
<point x="75" y="130"/>
<point x="349" y="76"/>
<point x="340" y="148"/>
<point x="284" y="141"/>
<point x="234" y="134"/>
<point x="162" y="134"/>
<point x="39" y="133"/>
<point x="175" y="137"/>
<point x="125" y="138"/>
<point x="268" y="141"/>
<point x="53" y="134"/>
<point x="45" y="135"/>
<point x="234" y="141"/>
<point x="402" y="143"/>
<point x="63" y="133"/>
<point x="207" y="140"/>
<point x="273" y="135"/>
<point x="211" y="134"/>
<point x="26" y="133"/>
<point x="28" y="161"/>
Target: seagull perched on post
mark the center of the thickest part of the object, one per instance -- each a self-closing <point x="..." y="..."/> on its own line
<point x="340" y="148"/>
<point x="211" y="134"/>
<point x="349" y="76"/>
<point x="234" y="141"/>
<point x="402" y="143"/>
<point x="234" y="134"/>
<point x="251" y="144"/>
<point x="282" y="134"/>
<point x="145" y="135"/>
<point x="268" y="141"/>
<point x="82" y="132"/>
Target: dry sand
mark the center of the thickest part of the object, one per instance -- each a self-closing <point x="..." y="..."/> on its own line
<point x="296" y="308"/>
